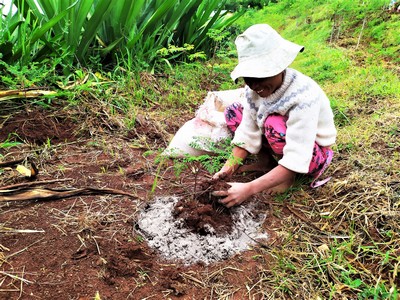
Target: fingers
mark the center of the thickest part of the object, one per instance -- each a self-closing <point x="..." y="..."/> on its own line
<point x="220" y="193"/>
<point x="227" y="201"/>
<point x="235" y="195"/>
<point x="230" y="202"/>
<point x="220" y="175"/>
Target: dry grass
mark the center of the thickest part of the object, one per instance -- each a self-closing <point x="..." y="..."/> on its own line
<point x="342" y="241"/>
<point x="339" y="241"/>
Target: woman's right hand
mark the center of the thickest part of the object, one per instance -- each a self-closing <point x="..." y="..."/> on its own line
<point x="225" y="172"/>
<point x="232" y="164"/>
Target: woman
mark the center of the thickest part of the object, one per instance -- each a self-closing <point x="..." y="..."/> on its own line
<point x="283" y="105"/>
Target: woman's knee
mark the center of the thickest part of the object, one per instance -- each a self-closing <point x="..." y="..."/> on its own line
<point x="233" y="116"/>
<point x="275" y="132"/>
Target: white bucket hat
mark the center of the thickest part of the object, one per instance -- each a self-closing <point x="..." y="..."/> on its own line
<point x="262" y="52"/>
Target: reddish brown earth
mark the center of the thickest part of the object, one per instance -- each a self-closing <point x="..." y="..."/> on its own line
<point x="83" y="245"/>
<point x="204" y="209"/>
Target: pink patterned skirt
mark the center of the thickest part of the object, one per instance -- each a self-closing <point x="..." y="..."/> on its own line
<point x="275" y="134"/>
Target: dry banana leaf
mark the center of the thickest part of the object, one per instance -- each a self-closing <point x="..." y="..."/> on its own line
<point x="31" y="193"/>
<point x="14" y="94"/>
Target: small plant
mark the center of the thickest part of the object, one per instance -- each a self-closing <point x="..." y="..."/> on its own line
<point x="172" y="52"/>
<point x="212" y="162"/>
<point x="139" y="239"/>
<point x="97" y="296"/>
<point x="7" y="144"/>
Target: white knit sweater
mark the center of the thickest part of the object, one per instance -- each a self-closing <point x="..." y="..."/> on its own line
<point x="310" y="119"/>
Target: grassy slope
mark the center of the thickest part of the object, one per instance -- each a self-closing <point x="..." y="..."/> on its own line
<point x="357" y="256"/>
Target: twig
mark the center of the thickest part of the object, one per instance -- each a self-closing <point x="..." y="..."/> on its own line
<point x="16" y="277"/>
<point x="221" y="271"/>
<point x="97" y="245"/>
<point x="3" y="248"/>
<point x="10" y="163"/>
<point x="361" y="32"/>
<point x="24" y="249"/>
<point x="22" y="283"/>
<point x="6" y="229"/>
<point x="194" y="279"/>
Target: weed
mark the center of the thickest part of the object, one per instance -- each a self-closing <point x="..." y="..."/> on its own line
<point x="8" y="144"/>
<point x="97" y="296"/>
<point x="220" y="152"/>
<point x="172" y="52"/>
<point x="139" y="239"/>
<point x="394" y="131"/>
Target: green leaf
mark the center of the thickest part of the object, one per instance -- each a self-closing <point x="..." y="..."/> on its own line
<point x="91" y="27"/>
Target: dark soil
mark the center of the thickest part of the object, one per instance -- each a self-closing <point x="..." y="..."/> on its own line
<point x="205" y="210"/>
<point x="38" y="126"/>
<point x="73" y="248"/>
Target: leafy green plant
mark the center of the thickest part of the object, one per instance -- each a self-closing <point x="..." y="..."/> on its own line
<point x="16" y="76"/>
<point x="75" y="30"/>
<point x="173" y="52"/>
<point x="219" y="152"/>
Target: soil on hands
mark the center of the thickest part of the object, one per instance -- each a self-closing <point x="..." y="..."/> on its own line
<point x="202" y="213"/>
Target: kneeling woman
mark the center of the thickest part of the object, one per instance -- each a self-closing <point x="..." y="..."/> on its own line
<point x="284" y="108"/>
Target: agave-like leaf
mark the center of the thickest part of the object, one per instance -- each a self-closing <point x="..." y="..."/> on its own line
<point x="91" y="27"/>
<point x="71" y="27"/>
<point x="38" y="32"/>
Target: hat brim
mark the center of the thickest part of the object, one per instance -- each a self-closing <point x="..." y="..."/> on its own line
<point x="267" y="65"/>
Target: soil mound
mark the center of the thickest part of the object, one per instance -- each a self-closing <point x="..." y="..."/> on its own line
<point x="191" y="237"/>
<point x="38" y="126"/>
<point x="204" y="214"/>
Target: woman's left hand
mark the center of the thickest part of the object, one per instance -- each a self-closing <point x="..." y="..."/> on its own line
<point x="235" y="195"/>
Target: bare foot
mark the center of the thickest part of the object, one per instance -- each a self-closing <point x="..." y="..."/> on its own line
<point x="265" y="163"/>
<point x="256" y="167"/>
<point x="281" y="188"/>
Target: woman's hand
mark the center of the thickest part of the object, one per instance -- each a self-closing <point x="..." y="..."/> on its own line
<point x="232" y="164"/>
<point x="226" y="172"/>
<point x="236" y="194"/>
<point x="275" y="181"/>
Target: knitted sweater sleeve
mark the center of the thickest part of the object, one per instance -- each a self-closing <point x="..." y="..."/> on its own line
<point x="301" y="133"/>
<point x="248" y="135"/>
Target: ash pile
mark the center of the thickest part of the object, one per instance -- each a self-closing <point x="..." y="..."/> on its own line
<point x="181" y="237"/>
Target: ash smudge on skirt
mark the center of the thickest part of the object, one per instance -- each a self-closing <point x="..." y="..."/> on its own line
<point x="174" y="240"/>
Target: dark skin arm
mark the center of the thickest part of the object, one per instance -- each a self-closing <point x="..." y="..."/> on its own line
<point x="232" y="164"/>
<point x="276" y="180"/>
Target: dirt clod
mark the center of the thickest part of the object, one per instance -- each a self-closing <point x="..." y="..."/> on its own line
<point x="38" y="127"/>
<point x="203" y="213"/>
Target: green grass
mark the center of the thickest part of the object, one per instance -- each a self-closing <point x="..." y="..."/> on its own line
<point x="348" y="249"/>
<point x="362" y="83"/>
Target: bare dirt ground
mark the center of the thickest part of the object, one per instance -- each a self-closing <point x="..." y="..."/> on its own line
<point x="340" y="241"/>
<point x="80" y="246"/>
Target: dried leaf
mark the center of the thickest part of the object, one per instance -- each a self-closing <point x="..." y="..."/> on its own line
<point x="24" y="171"/>
<point x="50" y="194"/>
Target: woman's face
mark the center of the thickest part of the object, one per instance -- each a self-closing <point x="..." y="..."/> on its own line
<point x="265" y="87"/>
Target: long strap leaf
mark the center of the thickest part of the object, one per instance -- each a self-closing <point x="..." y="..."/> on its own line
<point x="152" y="21"/>
<point x="92" y="26"/>
<point x="39" y="32"/>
